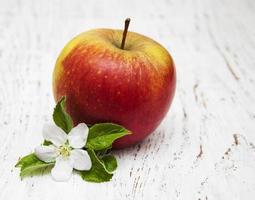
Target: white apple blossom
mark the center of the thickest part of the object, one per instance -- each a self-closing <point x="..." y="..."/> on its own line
<point x="66" y="150"/>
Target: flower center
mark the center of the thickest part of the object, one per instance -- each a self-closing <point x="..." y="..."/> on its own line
<point x="65" y="150"/>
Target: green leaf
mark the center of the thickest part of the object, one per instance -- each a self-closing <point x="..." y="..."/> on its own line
<point x="98" y="172"/>
<point x="30" y="164"/>
<point x="110" y="162"/>
<point x="61" y="117"/>
<point x="47" y="143"/>
<point x="101" y="136"/>
<point x="103" y="151"/>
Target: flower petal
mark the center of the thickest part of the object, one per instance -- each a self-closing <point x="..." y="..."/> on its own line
<point x="63" y="168"/>
<point x="54" y="134"/>
<point x="81" y="159"/>
<point x="78" y="136"/>
<point x="46" y="153"/>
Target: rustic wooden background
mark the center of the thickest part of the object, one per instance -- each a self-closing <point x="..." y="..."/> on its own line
<point x="205" y="147"/>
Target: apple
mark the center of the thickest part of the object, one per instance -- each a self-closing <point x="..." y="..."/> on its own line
<point x="116" y="76"/>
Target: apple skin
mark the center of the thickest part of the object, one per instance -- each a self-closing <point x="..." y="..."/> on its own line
<point x="133" y="87"/>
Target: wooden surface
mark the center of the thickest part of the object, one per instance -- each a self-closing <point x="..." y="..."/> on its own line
<point x="205" y="147"/>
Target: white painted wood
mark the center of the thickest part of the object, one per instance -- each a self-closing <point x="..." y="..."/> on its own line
<point x="213" y="45"/>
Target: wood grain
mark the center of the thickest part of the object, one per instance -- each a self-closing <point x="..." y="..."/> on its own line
<point x="205" y="147"/>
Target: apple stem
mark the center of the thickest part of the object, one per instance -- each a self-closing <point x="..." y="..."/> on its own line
<point x="127" y="21"/>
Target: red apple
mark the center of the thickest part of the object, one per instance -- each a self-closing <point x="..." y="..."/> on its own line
<point x="102" y="82"/>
